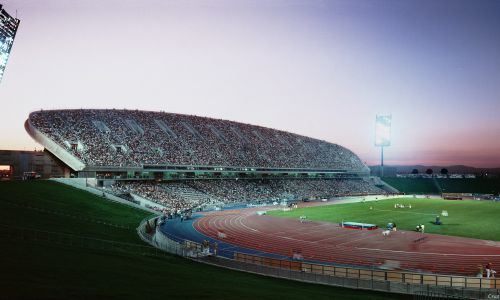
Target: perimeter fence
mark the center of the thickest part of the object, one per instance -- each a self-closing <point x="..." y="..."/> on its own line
<point x="420" y="285"/>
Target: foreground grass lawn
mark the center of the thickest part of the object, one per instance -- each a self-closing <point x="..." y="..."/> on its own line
<point x="40" y="269"/>
<point x="474" y="219"/>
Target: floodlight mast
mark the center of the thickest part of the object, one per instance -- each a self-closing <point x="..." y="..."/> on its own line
<point x="382" y="136"/>
<point x="381" y="161"/>
<point x="8" y="30"/>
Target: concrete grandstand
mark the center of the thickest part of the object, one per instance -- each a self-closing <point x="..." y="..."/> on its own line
<point x="172" y="159"/>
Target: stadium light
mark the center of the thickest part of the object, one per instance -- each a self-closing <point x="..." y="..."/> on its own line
<point x="8" y="29"/>
<point x="382" y="136"/>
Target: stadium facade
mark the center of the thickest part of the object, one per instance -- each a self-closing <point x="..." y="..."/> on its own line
<point x="132" y="144"/>
<point x="8" y="30"/>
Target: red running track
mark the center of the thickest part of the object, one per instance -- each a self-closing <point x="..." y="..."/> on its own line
<point x="328" y="242"/>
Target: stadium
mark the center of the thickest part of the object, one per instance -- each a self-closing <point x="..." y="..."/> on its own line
<point x="232" y="193"/>
<point x="220" y="150"/>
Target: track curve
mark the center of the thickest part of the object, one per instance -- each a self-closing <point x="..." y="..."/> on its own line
<point x="330" y="243"/>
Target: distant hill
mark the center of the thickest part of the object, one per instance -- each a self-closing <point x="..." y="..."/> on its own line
<point x="456" y="169"/>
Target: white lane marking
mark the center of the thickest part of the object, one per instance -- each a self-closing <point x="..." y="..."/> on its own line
<point x="429" y="253"/>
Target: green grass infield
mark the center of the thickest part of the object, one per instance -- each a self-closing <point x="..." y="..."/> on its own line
<point x="473" y="219"/>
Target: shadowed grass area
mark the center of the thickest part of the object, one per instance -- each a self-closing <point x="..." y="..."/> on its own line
<point x="447" y="185"/>
<point x="41" y="269"/>
<point x="413" y="185"/>
<point x="474" y="219"/>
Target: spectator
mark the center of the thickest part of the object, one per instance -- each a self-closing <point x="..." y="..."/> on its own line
<point x="178" y="197"/>
<point x="134" y="138"/>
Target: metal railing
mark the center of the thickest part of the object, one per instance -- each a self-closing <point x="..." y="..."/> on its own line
<point x="434" y="286"/>
<point x="374" y="274"/>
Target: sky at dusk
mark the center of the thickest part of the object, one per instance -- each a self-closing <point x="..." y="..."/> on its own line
<point x="318" y="68"/>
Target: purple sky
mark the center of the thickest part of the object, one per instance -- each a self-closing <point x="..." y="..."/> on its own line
<point x="317" y="68"/>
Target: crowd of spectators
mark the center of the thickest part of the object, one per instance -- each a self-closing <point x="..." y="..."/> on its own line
<point x="196" y="194"/>
<point x="135" y="138"/>
<point x="230" y="191"/>
<point x="171" y="196"/>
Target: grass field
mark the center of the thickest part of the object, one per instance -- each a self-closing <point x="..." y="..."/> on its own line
<point x="38" y="269"/>
<point x="475" y="219"/>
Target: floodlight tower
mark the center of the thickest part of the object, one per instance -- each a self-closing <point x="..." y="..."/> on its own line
<point x="8" y="29"/>
<point x="382" y="136"/>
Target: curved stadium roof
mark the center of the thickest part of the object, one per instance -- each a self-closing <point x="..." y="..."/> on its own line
<point x="133" y="138"/>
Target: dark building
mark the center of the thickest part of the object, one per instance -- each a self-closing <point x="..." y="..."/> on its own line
<point x="40" y="163"/>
